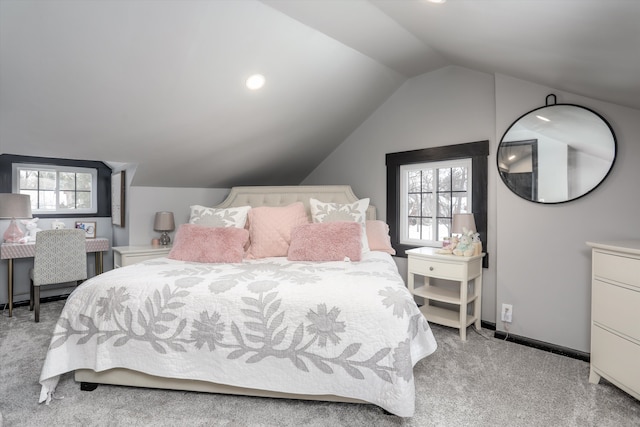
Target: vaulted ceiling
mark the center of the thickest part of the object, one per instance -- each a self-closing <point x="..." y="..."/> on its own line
<point x="160" y="83"/>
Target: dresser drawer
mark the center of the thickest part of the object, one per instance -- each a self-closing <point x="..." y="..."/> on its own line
<point x="617" y="359"/>
<point x="433" y="268"/>
<point x="618" y="268"/>
<point x="617" y="308"/>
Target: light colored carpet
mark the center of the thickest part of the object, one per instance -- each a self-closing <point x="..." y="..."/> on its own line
<point x="483" y="382"/>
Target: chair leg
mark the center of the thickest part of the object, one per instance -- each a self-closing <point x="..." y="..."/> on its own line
<point x="31" y="297"/>
<point x="36" y="300"/>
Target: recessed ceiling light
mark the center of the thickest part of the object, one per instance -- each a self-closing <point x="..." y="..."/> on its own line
<point x="255" y="81"/>
<point x="437" y="1"/>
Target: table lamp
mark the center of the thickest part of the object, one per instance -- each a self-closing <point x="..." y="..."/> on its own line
<point x="462" y="221"/>
<point x="14" y="206"/>
<point x="164" y="223"/>
<point x="465" y="221"/>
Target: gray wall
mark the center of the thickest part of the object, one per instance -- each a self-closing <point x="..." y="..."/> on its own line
<point x="539" y="260"/>
<point x="144" y="202"/>
<point x="451" y="105"/>
<point x="544" y="265"/>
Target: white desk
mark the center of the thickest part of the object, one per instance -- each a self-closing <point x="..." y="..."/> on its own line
<point x="11" y="251"/>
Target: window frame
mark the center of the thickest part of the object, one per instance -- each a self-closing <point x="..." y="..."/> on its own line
<point x="478" y="152"/>
<point x="58" y="169"/>
<point x="103" y="190"/>
<point x="404" y="196"/>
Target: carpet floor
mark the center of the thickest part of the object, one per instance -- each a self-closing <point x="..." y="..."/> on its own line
<point x="481" y="382"/>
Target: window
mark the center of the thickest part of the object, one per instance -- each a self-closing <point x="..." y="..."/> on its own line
<point x="426" y="187"/>
<point x="430" y="194"/>
<point x="57" y="189"/>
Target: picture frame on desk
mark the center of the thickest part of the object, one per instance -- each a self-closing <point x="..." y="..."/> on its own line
<point x="118" y="181"/>
<point x="89" y="228"/>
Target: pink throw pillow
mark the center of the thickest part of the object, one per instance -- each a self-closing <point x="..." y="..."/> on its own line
<point x="199" y="243"/>
<point x="328" y="241"/>
<point x="270" y="229"/>
<point x="378" y="236"/>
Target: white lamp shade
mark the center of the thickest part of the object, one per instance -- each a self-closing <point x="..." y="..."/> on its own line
<point x="462" y="221"/>
<point x="15" y="206"/>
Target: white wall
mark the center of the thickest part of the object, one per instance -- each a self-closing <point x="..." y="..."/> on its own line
<point x="544" y="265"/>
<point x="451" y="105"/>
<point x="539" y="261"/>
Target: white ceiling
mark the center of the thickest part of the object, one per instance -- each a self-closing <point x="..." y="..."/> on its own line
<point x="161" y="83"/>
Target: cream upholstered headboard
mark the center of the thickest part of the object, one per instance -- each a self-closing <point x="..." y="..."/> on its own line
<point x="287" y="194"/>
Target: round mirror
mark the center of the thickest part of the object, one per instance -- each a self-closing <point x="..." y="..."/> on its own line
<point x="556" y="153"/>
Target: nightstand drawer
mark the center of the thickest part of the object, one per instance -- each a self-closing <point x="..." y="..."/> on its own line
<point x="135" y="258"/>
<point x="127" y="255"/>
<point x="438" y="269"/>
<point x="618" y="268"/>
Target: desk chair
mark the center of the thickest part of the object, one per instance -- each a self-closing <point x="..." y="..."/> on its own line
<point x="60" y="257"/>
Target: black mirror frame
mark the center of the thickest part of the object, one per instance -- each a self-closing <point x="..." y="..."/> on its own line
<point x="615" y="152"/>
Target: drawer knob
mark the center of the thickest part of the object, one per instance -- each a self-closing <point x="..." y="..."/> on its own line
<point x="430" y="268"/>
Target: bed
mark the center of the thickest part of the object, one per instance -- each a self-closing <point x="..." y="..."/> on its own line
<point x="296" y="325"/>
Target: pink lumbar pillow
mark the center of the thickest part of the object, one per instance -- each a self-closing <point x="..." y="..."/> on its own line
<point x="328" y="241"/>
<point x="199" y="243"/>
<point x="270" y="229"/>
<point x="378" y="236"/>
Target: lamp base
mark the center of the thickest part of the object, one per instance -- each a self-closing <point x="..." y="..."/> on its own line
<point x="13" y="234"/>
<point x="165" y="239"/>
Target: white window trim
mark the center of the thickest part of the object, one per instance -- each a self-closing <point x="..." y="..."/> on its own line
<point x="16" y="167"/>
<point x="404" y="193"/>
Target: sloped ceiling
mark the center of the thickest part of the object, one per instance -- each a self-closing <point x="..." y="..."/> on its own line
<point x="160" y="84"/>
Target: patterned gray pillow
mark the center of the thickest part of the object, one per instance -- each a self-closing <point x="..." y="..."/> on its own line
<point x="332" y="212"/>
<point x="212" y="217"/>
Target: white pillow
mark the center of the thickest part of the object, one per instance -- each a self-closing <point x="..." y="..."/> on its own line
<point x="212" y="217"/>
<point x="332" y="212"/>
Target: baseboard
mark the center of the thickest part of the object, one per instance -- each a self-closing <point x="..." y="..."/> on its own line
<point x="541" y="345"/>
<point x="488" y="325"/>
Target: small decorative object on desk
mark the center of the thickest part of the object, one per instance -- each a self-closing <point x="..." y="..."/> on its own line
<point x="57" y="225"/>
<point x="88" y="227"/>
<point x="32" y="228"/>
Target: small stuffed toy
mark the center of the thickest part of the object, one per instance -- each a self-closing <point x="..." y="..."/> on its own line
<point x="477" y="244"/>
<point x="449" y="248"/>
<point x="465" y="246"/>
<point x="32" y="229"/>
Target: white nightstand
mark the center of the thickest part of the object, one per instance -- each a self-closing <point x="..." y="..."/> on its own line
<point x="127" y="255"/>
<point x="467" y="271"/>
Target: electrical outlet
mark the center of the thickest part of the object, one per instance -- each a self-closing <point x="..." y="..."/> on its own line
<point x="507" y="313"/>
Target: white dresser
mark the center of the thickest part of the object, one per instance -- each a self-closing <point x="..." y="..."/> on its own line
<point x="615" y="314"/>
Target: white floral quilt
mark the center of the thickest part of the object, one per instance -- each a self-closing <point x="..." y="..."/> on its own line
<point x="349" y="329"/>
